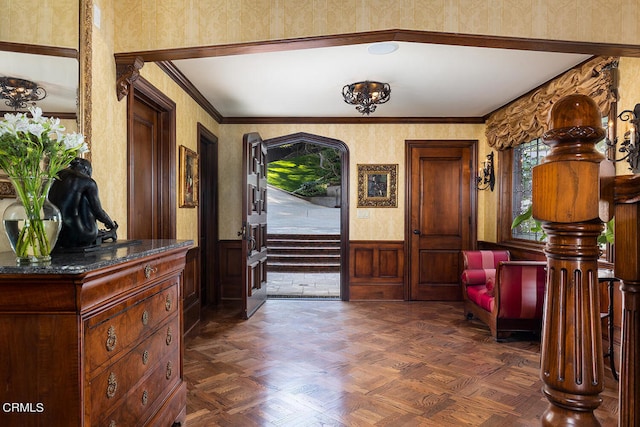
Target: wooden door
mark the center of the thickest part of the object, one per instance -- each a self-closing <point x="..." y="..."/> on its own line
<point x="441" y="217"/>
<point x="254" y="225"/>
<point x="152" y="163"/>
<point x="143" y="170"/>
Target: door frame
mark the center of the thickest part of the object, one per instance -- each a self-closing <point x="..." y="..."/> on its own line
<point x="143" y="91"/>
<point x="303" y="137"/>
<point x="209" y="288"/>
<point x="473" y="197"/>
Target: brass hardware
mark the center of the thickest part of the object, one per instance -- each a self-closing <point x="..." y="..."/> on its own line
<point x="112" y="423"/>
<point x="145" y="397"/>
<point x="169" y="337"/>
<point x="145" y="318"/>
<point x="112" y="339"/>
<point x="112" y="385"/>
<point x="169" y="369"/>
<point x="145" y="357"/>
<point x="168" y="303"/>
<point x="148" y="270"/>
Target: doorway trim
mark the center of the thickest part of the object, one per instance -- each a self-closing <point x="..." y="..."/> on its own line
<point x="303" y="137"/>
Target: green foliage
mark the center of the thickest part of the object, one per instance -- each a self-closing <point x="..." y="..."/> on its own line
<point x="307" y="175"/>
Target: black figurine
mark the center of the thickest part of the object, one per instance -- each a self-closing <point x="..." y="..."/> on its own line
<point x="75" y="193"/>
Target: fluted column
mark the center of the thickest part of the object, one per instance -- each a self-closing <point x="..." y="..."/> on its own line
<point x="566" y="193"/>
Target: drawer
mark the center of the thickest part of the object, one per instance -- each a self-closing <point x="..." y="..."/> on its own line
<point x="108" y="334"/>
<point x="144" y="399"/>
<point x="109" y="284"/>
<point x="112" y="384"/>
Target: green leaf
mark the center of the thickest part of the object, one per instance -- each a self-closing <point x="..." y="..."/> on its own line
<point x="522" y="218"/>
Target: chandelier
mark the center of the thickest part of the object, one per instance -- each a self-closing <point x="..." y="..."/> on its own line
<point x="365" y="95"/>
<point x="19" y="92"/>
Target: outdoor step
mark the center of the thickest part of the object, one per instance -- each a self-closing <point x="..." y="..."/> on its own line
<point x="298" y="242"/>
<point x="303" y="258"/>
<point x="304" y="249"/>
<point x="304" y="236"/>
<point x="308" y="267"/>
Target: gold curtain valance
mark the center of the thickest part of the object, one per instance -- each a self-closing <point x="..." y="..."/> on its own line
<point x="526" y="118"/>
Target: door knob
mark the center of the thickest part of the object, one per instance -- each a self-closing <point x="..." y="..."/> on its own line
<point x="416" y="232"/>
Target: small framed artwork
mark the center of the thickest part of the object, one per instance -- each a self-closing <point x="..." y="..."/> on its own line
<point x="188" y="178"/>
<point x="377" y="186"/>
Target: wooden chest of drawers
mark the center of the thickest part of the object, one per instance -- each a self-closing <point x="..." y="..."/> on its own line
<point x="94" y="344"/>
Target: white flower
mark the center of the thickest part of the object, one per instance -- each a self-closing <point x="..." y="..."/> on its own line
<point x="35" y="129"/>
<point x="36" y="113"/>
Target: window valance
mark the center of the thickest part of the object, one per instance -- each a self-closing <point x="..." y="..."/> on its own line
<point x="526" y="118"/>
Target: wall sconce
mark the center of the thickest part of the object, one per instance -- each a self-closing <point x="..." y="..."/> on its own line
<point x="486" y="179"/>
<point x="631" y="138"/>
<point x="365" y="95"/>
<point x="19" y="92"/>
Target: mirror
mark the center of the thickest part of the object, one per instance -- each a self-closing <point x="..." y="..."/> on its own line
<point x="57" y="75"/>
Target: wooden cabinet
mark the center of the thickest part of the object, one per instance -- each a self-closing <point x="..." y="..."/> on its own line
<point x="94" y="339"/>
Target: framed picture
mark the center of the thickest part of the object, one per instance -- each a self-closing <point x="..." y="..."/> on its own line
<point x="377" y="186"/>
<point x="6" y="188"/>
<point x="188" y="178"/>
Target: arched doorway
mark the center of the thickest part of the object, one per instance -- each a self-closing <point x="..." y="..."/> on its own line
<point x="342" y="148"/>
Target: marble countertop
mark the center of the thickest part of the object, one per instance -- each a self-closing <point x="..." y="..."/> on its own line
<point x="78" y="262"/>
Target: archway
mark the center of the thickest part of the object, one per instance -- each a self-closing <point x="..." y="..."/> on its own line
<point x="342" y="148"/>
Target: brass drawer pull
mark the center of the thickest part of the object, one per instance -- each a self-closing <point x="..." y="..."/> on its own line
<point x="148" y="270"/>
<point x="145" y="357"/>
<point x="169" y="337"/>
<point x="168" y="303"/>
<point x="112" y="339"/>
<point x="112" y="385"/>
<point x="145" y="397"/>
<point x="145" y="318"/>
<point x="169" y="370"/>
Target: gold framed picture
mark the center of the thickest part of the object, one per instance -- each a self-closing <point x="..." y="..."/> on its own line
<point x="189" y="178"/>
<point x="377" y="186"/>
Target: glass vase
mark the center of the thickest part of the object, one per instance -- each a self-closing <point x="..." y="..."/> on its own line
<point x="32" y="222"/>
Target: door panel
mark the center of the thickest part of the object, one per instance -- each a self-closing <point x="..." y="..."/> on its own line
<point x="254" y="226"/>
<point x="142" y="220"/>
<point x="440" y="222"/>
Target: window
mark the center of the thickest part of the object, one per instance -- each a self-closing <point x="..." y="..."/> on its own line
<point x="525" y="157"/>
<point x="516" y="178"/>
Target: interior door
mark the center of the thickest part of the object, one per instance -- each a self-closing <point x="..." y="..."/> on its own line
<point x="440" y="223"/>
<point x="143" y="221"/>
<point x="254" y="225"/>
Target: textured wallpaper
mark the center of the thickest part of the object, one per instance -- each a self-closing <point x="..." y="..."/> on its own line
<point x="153" y="24"/>
<point x="46" y="22"/>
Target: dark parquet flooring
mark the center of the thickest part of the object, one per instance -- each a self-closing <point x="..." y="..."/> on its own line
<point x="334" y="363"/>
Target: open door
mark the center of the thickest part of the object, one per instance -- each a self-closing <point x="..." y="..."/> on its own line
<point x="254" y="223"/>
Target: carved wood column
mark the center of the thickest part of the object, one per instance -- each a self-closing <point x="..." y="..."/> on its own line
<point x="627" y="268"/>
<point x="566" y="193"/>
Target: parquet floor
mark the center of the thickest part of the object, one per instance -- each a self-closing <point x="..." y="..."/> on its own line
<point x="334" y="363"/>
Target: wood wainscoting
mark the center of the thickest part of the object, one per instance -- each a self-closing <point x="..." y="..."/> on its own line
<point x="230" y="268"/>
<point x="376" y="270"/>
<point x="191" y="290"/>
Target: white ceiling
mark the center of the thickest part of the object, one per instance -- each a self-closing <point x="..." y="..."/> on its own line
<point x="427" y="80"/>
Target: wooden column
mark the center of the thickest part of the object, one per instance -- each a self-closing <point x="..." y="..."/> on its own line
<point x="566" y="193"/>
<point x="627" y="268"/>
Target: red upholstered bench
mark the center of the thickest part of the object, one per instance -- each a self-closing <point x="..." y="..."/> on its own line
<point x="506" y="295"/>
